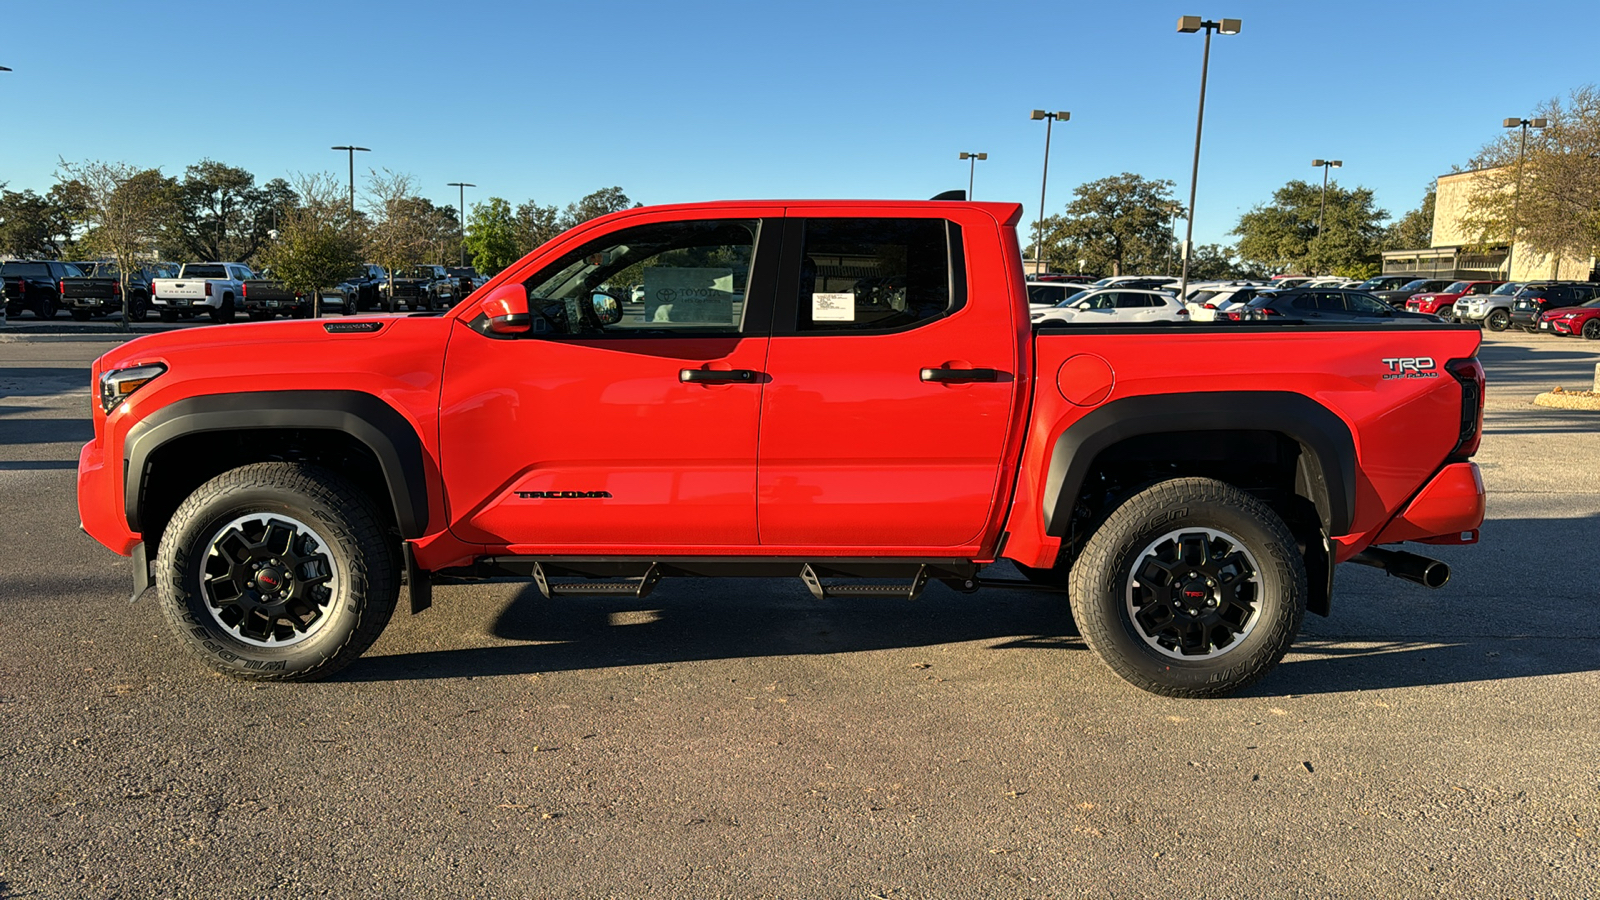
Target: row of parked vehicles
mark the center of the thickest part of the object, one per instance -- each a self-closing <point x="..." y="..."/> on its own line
<point x="1567" y="308"/>
<point x="221" y="290"/>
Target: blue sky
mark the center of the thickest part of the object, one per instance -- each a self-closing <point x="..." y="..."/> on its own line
<point x="693" y="101"/>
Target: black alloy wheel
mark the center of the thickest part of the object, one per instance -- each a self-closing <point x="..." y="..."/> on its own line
<point x="1591" y="329"/>
<point x="1498" y="320"/>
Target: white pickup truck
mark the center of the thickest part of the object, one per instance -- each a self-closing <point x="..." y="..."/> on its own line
<point x="217" y="288"/>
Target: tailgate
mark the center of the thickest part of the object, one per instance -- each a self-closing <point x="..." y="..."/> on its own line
<point x="179" y="287"/>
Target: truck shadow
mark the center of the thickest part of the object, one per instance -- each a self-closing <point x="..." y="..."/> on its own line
<point x="1499" y="618"/>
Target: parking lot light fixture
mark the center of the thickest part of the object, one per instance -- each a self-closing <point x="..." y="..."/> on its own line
<point x="1326" y="164"/>
<point x="1516" y="199"/>
<point x="463" y="200"/>
<point x="972" y="168"/>
<point x="1050" y="118"/>
<point x="352" y="150"/>
<point x="1189" y="25"/>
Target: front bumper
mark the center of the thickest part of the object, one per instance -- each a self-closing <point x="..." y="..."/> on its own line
<point x="100" y="506"/>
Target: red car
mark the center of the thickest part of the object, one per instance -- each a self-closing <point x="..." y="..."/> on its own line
<point x="1440" y="303"/>
<point x="819" y="390"/>
<point x="1584" y="320"/>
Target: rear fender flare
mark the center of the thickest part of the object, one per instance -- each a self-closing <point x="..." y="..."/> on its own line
<point x="376" y="424"/>
<point x="1326" y="471"/>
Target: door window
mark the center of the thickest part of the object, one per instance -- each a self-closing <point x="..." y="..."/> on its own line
<point x="688" y="278"/>
<point x="863" y="275"/>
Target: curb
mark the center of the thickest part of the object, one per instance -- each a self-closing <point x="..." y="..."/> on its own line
<point x="1569" y="400"/>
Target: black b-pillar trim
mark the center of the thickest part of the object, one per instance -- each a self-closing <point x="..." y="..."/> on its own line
<point x="1327" y="461"/>
<point x="374" y="423"/>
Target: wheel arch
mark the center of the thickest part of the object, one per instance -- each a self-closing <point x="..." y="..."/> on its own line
<point x="176" y="439"/>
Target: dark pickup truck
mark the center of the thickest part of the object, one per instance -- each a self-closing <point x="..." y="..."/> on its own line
<point x="266" y="298"/>
<point x="99" y="290"/>
<point x="421" y="287"/>
<point x="35" y="284"/>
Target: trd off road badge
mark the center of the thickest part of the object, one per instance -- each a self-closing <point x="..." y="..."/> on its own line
<point x="1411" y="367"/>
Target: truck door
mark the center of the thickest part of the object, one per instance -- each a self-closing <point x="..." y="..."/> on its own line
<point x="587" y="437"/>
<point x="891" y="392"/>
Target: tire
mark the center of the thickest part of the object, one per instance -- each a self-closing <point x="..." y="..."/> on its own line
<point x="232" y="539"/>
<point x="138" y="307"/>
<point x="223" y="314"/>
<point x="1591" y="329"/>
<point x="48" y="307"/>
<point x="349" y="307"/>
<point x="258" y="315"/>
<point x="1244" y="573"/>
<point x="168" y="315"/>
<point x="79" y="315"/>
<point x="1531" y="329"/>
<point x="1498" y="320"/>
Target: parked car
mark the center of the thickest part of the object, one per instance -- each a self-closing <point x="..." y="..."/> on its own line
<point x="1116" y="305"/>
<point x="1442" y="302"/>
<point x="359" y="293"/>
<point x="421" y="287"/>
<point x="1140" y="282"/>
<point x="1288" y="282"/>
<point x="265" y="297"/>
<point x="466" y="280"/>
<point x="1216" y="301"/>
<point x="1330" y="305"/>
<point x="1061" y="276"/>
<point x="99" y="290"/>
<point x="1535" y="300"/>
<point x="1384" y="283"/>
<point x="1397" y="298"/>
<point x="35" y="284"/>
<point x="1573" y="321"/>
<point x="1045" y="294"/>
<point x="215" y="288"/>
<point x="284" y="486"/>
<point x="1492" y="310"/>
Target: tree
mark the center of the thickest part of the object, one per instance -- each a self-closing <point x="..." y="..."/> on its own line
<point x="1282" y="236"/>
<point x="40" y="226"/>
<point x="319" y="242"/>
<point x="1556" y="208"/>
<point x="1117" y="224"/>
<point x="1215" y="262"/>
<point x="124" y="208"/>
<point x="595" y="205"/>
<point x="492" y="236"/>
<point x="404" y="226"/>
<point x="535" y="225"/>
<point x="223" y="215"/>
<point x="1414" y="230"/>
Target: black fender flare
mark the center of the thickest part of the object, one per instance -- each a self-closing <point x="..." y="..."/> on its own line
<point x="376" y="424"/>
<point x="1327" y="467"/>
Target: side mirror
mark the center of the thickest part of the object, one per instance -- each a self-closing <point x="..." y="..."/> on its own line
<point x="607" y="308"/>
<point x="1083" y="305"/>
<point x="507" y="310"/>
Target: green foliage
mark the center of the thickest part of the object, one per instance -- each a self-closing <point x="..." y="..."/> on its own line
<point x="1117" y="225"/>
<point x="319" y="243"/>
<point x="37" y="226"/>
<point x="1215" y="262"/>
<point x="601" y="202"/>
<point x="535" y="225"/>
<point x="1282" y="236"/>
<point x="222" y="215"/>
<point x="124" y="208"/>
<point x="492" y="236"/>
<point x="1414" y="230"/>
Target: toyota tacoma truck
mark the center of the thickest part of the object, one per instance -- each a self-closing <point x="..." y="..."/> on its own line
<point x="847" y="393"/>
<point x="216" y="288"/>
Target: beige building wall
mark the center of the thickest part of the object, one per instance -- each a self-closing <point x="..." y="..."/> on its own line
<point x="1450" y="207"/>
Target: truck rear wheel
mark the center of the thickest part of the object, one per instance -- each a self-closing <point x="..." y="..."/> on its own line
<point x="277" y="571"/>
<point x="1190" y="588"/>
<point x="223" y="313"/>
<point x="1498" y="320"/>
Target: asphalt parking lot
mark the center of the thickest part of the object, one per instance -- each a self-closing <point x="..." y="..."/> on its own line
<point x="743" y="739"/>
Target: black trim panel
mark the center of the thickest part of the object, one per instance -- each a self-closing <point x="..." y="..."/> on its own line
<point x="1327" y="469"/>
<point x="369" y="420"/>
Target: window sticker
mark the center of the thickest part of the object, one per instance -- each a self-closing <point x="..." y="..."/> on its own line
<point x="833" y="307"/>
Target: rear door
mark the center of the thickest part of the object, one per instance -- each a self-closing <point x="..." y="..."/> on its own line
<point x="892" y="390"/>
<point x="635" y="437"/>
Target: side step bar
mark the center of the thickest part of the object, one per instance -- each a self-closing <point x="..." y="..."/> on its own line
<point x="813" y="583"/>
<point x="582" y="587"/>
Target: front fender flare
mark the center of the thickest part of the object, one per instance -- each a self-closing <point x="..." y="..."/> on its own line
<point x="376" y="424"/>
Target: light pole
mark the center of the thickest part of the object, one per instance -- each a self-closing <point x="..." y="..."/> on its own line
<point x="1176" y="210"/>
<point x="1050" y="119"/>
<point x="463" y="186"/>
<point x="352" y="151"/>
<point x="1326" y="164"/>
<point x="1516" y="199"/>
<point x="1189" y="25"/>
<point x="972" y="168"/>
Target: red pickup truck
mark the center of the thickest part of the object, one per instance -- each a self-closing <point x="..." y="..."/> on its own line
<point x="849" y="393"/>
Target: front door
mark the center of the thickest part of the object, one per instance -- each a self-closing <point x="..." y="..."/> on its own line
<point x="891" y="397"/>
<point x="584" y="437"/>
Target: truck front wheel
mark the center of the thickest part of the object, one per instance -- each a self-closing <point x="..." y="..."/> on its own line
<point x="1498" y="320"/>
<point x="277" y="571"/>
<point x="1190" y="588"/>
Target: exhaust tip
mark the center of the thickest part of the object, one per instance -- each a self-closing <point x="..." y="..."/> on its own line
<point x="1435" y="575"/>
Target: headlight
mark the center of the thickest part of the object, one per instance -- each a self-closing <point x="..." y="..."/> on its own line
<point x="119" y="384"/>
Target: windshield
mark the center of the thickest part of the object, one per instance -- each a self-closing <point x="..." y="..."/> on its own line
<point x="1508" y="289"/>
<point x="1460" y="287"/>
<point x="1417" y="285"/>
<point x="204" y="271"/>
